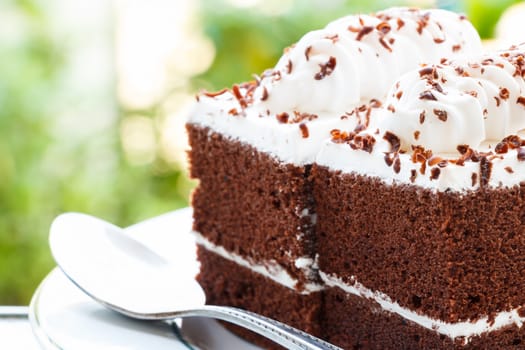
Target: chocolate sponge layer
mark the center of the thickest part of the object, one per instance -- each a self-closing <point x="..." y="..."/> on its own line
<point x="451" y="256"/>
<point x="226" y="283"/>
<point x="250" y="203"/>
<point x="353" y="322"/>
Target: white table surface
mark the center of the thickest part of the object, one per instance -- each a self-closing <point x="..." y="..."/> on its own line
<point x="15" y="331"/>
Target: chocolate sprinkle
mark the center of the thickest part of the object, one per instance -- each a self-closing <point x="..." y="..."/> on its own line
<point x="521" y="154"/>
<point x="214" y="94"/>
<point x="462" y="149"/>
<point x="474" y="179"/>
<point x="400" y="23"/>
<point x="307" y="52"/>
<point x="282" y="117"/>
<point x="289" y="67"/>
<point x="521" y="100"/>
<point x="264" y="96"/>
<point x="393" y="139"/>
<point x="434" y="173"/>
<point x="364" y="31"/>
<point x="430" y="71"/>
<point x="326" y="69"/>
<point x="238" y="95"/>
<point x="509" y="170"/>
<point x="304" y="130"/>
<point x="441" y="114"/>
<point x="485" y="169"/>
<point x="427" y="95"/>
<point x="422" y="117"/>
<point x="397" y="164"/>
<point x="504" y="93"/>
<point x="413" y="175"/>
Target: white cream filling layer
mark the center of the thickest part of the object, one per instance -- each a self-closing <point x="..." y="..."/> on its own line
<point x="277" y="273"/>
<point x="270" y="269"/>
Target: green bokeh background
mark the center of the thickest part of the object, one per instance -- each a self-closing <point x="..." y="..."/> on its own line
<point x="42" y="175"/>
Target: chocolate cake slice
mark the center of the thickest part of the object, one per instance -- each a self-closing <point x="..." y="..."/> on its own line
<point x="254" y="150"/>
<point x="424" y="234"/>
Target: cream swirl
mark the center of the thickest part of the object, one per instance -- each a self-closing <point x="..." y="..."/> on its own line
<point x="358" y="58"/>
<point x="459" y="103"/>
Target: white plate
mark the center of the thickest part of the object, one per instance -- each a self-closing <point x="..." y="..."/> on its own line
<point x="62" y="317"/>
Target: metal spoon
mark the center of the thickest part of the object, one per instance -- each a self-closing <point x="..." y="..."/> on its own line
<point x="124" y="275"/>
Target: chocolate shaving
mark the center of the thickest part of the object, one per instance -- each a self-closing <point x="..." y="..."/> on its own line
<point x="456" y="48"/>
<point x="393" y="139"/>
<point x="264" y="96"/>
<point x="429" y="71"/>
<point x="282" y="117"/>
<point x="385" y="44"/>
<point x="427" y="95"/>
<point x="474" y="179"/>
<point x="363" y="142"/>
<point x="307" y="52"/>
<point x="501" y="147"/>
<point x="375" y="103"/>
<point x="521" y="100"/>
<point x="434" y="173"/>
<point x="509" y="170"/>
<point x="326" y="69"/>
<point x="462" y="149"/>
<point x="416" y="134"/>
<point x="364" y="31"/>
<point x="214" y="94"/>
<point x="485" y="169"/>
<point x="238" y="95"/>
<point x="334" y="38"/>
<point x="304" y="130"/>
<point x="383" y="27"/>
<point x="422" y="117"/>
<point x="400" y="23"/>
<point x="413" y="175"/>
<point x="302" y="116"/>
<point x="289" y="67"/>
<point x="441" y="114"/>
<point x="397" y="164"/>
<point x="521" y="154"/>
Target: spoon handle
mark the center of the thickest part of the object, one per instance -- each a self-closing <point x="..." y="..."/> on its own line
<point x="282" y="334"/>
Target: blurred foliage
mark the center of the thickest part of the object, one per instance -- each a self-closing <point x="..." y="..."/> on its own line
<point x="44" y="173"/>
<point x="46" y="169"/>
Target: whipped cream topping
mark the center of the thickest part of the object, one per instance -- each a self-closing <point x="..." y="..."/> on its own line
<point x="440" y="107"/>
<point x="358" y="58"/>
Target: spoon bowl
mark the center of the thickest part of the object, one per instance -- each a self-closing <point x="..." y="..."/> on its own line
<point x="106" y="263"/>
